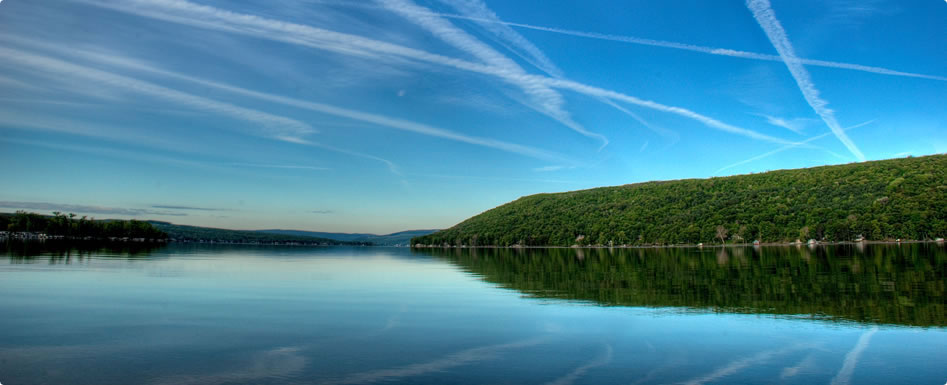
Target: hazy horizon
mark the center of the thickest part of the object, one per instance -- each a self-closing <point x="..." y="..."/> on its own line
<point x="379" y="117"/>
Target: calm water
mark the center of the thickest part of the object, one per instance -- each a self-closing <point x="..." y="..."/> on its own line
<point x="185" y="314"/>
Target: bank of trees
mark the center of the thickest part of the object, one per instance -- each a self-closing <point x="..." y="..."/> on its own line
<point x="899" y="198"/>
<point x="68" y="225"/>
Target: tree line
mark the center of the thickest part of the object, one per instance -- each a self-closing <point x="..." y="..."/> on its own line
<point x="881" y="200"/>
<point x="68" y="225"/>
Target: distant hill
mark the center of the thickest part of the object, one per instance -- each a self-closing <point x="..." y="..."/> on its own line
<point x="195" y="233"/>
<point x="400" y="238"/>
<point x="898" y="198"/>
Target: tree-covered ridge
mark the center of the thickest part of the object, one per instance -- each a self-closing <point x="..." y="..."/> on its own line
<point x="888" y="284"/>
<point x="186" y="233"/>
<point x="890" y="199"/>
<point x="67" y="225"/>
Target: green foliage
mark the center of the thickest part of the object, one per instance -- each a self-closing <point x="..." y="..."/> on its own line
<point x="889" y="284"/>
<point x="899" y="198"/>
<point x="60" y="224"/>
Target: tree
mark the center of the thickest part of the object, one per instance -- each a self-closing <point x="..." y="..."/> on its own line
<point x="722" y="233"/>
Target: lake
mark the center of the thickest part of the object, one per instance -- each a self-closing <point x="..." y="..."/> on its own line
<point x="215" y="314"/>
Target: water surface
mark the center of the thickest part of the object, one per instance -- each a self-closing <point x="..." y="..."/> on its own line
<point x="202" y="314"/>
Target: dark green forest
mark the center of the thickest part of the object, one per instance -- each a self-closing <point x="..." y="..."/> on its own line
<point x="67" y="225"/>
<point x="881" y="200"/>
<point x="888" y="284"/>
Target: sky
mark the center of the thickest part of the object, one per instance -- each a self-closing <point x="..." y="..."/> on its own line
<point x="388" y="115"/>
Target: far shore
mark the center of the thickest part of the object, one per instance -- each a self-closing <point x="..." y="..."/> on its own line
<point x="697" y="246"/>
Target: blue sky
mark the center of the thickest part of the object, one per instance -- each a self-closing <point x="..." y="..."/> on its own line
<point x="379" y="116"/>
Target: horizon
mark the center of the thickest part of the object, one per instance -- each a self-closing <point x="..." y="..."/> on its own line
<point x="344" y="117"/>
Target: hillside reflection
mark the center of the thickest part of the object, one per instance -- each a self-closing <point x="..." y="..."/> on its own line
<point x="65" y="252"/>
<point x="887" y="284"/>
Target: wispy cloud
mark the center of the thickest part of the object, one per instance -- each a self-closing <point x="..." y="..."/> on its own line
<point x="183" y="12"/>
<point x="643" y="146"/>
<point x="796" y="125"/>
<point x="189" y="208"/>
<point x="477" y="11"/>
<point x="766" y="18"/>
<point x="544" y="99"/>
<point x="84" y="209"/>
<point x="279" y="166"/>
<point x="548" y="168"/>
<point x="322" y="212"/>
<point x="844" y="374"/>
<point x="274" y="126"/>
<point x="787" y="147"/>
<point x="694" y="47"/>
<point x="570" y="378"/>
<point x="376" y="119"/>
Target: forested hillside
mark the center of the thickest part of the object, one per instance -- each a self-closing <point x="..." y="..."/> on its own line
<point x="899" y="198"/>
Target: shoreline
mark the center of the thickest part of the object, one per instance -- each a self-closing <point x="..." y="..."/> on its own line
<point x="683" y="246"/>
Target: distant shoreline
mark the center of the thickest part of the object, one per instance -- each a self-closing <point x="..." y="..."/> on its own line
<point x="696" y="246"/>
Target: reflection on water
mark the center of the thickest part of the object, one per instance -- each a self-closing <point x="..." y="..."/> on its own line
<point x="218" y="314"/>
<point x="59" y="251"/>
<point x="893" y="284"/>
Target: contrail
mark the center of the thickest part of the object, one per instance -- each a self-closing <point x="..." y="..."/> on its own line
<point x="221" y="20"/>
<point x="381" y="120"/>
<point x="514" y="42"/>
<point x="787" y="147"/>
<point x="693" y="47"/>
<point x="548" y="101"/>
<point x="277" y="127"/>
<point x="851" y="359"/>
<point x="777" y="35"/>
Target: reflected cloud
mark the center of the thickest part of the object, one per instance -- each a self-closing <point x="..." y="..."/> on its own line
<point x="739" y="365"/>
<point x="806" y="363"/>
<point x="279" y="362"/>
<point x="463" y="357"/>
<point x="570" y="378"/>
<point x="851" y="359"/>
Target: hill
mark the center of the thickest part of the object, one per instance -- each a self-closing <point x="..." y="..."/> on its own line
<point x="898" y="198"/>
<point x="394" y="239"/>
<point x="209" y="234"/>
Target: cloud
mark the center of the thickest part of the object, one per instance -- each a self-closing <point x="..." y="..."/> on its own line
<point x="183" y="12"/>
<point x="172" y="207"/>
<point x="787" y="147"/>
<point x="544" y="99"/>
<point x="695" y="48"/>
<point x="796" y="125"/>
<point x="280" y="166"/>
<point x="83" y="209"/>
<point x="548" y="168"/>
<point x="643" y="146"/>
<point x="478" y="12"/>
<point x="766" y="18"/>
<point x="851" y="359"/>
<point x="274" y="126"/>
<point x="376" y="119"/>
<point x="322" y="212"/>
